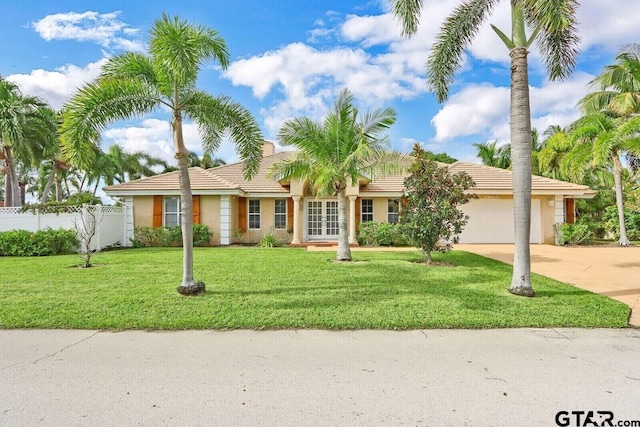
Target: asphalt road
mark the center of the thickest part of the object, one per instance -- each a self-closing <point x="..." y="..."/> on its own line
<point x="517" y="377"/>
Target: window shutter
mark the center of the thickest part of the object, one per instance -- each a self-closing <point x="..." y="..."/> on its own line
<point x="242" y="214"/>
<point x="196" y="209"/>
<point x="570" y="211"/>
<point x="357" y="213"/>
<point x="290" y="213"/>
<point x="157" y="211"/>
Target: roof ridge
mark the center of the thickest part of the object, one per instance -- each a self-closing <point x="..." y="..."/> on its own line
<point x="211" y="173"/>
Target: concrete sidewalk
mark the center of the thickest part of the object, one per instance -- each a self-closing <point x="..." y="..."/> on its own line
<point x="518" y="377"/>
<point x="613" y="271"/>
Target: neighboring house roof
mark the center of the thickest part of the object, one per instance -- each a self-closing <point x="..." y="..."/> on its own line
<point x="230" y="179"/>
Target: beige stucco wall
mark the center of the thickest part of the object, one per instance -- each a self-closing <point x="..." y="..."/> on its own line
<point x="210" y="216"/>
<point x="547" y="219"/>
<point x="267" y="222"/>
<point x="143" y="211"/>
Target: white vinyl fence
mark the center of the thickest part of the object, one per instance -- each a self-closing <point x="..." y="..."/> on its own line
<point x="110" y="222"/>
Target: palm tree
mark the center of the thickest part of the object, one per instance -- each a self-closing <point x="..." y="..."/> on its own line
<point x="129" y="166"/>
<point x="599" y="141"/>
<point x="617" y="88"/>
<point x="27" y="126"/>
<point x="555" y="146"/>
<point x="616" y="98"/>
<point x="337" y="152"/>
<point x="133" y="84"/>
<point x="553" y="24"/>
<point x="492" y="155"/>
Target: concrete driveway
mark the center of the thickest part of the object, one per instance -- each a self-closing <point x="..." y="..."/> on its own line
<point x="608" y="270"/>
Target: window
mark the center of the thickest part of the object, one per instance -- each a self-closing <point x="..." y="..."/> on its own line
<point x="366" y="210"/>
<point x="393" y="211"/>
<point x="280" y="214"/>
<point x="171" y="211"/>
<point x="254" y="214"/>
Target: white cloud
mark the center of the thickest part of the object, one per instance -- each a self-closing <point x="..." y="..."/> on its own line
<point x="56" y="87"/>
<point x="473" y="110"/>
<point x="154" y="136"/>
<point x="483" y="109"/>
<point x="103" y="29"/>
<point x="309" y="79"/>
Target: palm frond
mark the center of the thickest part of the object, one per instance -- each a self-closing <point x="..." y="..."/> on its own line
<point x="216" y="116"/>
<point x="408" y="12"/>
<point x="454" y="37"/>
<point x="95" y="106"/>
<point x="179" y="49"/>
<point x="558" y="37"/>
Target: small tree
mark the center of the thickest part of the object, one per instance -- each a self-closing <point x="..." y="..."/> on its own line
<point x="86" y="230"/>
<point x="431" y="215"/>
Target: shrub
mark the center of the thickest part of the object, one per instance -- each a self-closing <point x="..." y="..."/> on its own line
<point x="382" y="234"/>
<point x="631" y="222"/>
<point x="572" y="234"/>
<point x="40" y="243"/>
<point x="269" y="241"/>
<point x="169" y="236"/>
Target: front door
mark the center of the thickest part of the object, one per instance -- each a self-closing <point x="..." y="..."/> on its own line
<point x="322" y="220"/>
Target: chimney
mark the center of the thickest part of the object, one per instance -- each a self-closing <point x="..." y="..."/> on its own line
<point x="268" y="148"/>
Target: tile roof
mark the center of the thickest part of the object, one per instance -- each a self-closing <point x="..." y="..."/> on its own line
<point x="230" y="177"/>
<point x="200" y="180"/>
<point x="487" y="179"/>
<point x="259" y="183"/>
<point x="490" y="178"/>
<point x="227" y="177"/>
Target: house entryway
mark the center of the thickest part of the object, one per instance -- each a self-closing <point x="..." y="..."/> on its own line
<point x="321" y="220"/>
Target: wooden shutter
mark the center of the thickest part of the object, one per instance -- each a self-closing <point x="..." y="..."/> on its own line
<point x="196" y="209"/>
<point x="290" y="213"/>
<point x="570" y="211"/>
<point x="242" y="214"/>
<point x="157" y="211"/>
<point x="356" y="214"/>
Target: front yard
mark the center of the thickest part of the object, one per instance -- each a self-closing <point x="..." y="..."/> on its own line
<point x="286" y="288"/>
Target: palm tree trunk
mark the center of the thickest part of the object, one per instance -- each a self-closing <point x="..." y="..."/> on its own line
<point x="521" y="164"/>
<point x="58" y="189"/>
<point x="189" y="285"/>
<point x="344" y="251"/>
<point x="7" y="187"/>
<point x="47" y="187"/>
<point x="617" y="179"/>
<point x="23" y="192"/>
<point x="12" y="198"/>
<point x="95" y="187"/>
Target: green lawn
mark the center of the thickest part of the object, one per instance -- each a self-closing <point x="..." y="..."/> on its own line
<point x="286" y="288"/>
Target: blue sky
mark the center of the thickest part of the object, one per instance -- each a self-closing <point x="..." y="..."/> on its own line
<point x="291" y="57"/>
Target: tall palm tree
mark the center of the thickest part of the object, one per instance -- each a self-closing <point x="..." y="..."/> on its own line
<point x="599" y="140"/>
<point x="617" y="88"/>
<point x="133" y="84"/>
<point x="617" y="94"/>
<point x="27" y="125"/>
<point x="337" y="152"/>
<point x="493" y="155"/>
<point x="553" y="28"/>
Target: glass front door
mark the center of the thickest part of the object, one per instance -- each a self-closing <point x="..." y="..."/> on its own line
<point x="322" y="220"/>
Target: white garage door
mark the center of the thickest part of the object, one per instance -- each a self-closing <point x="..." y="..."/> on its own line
<point x="491" y="221"/>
